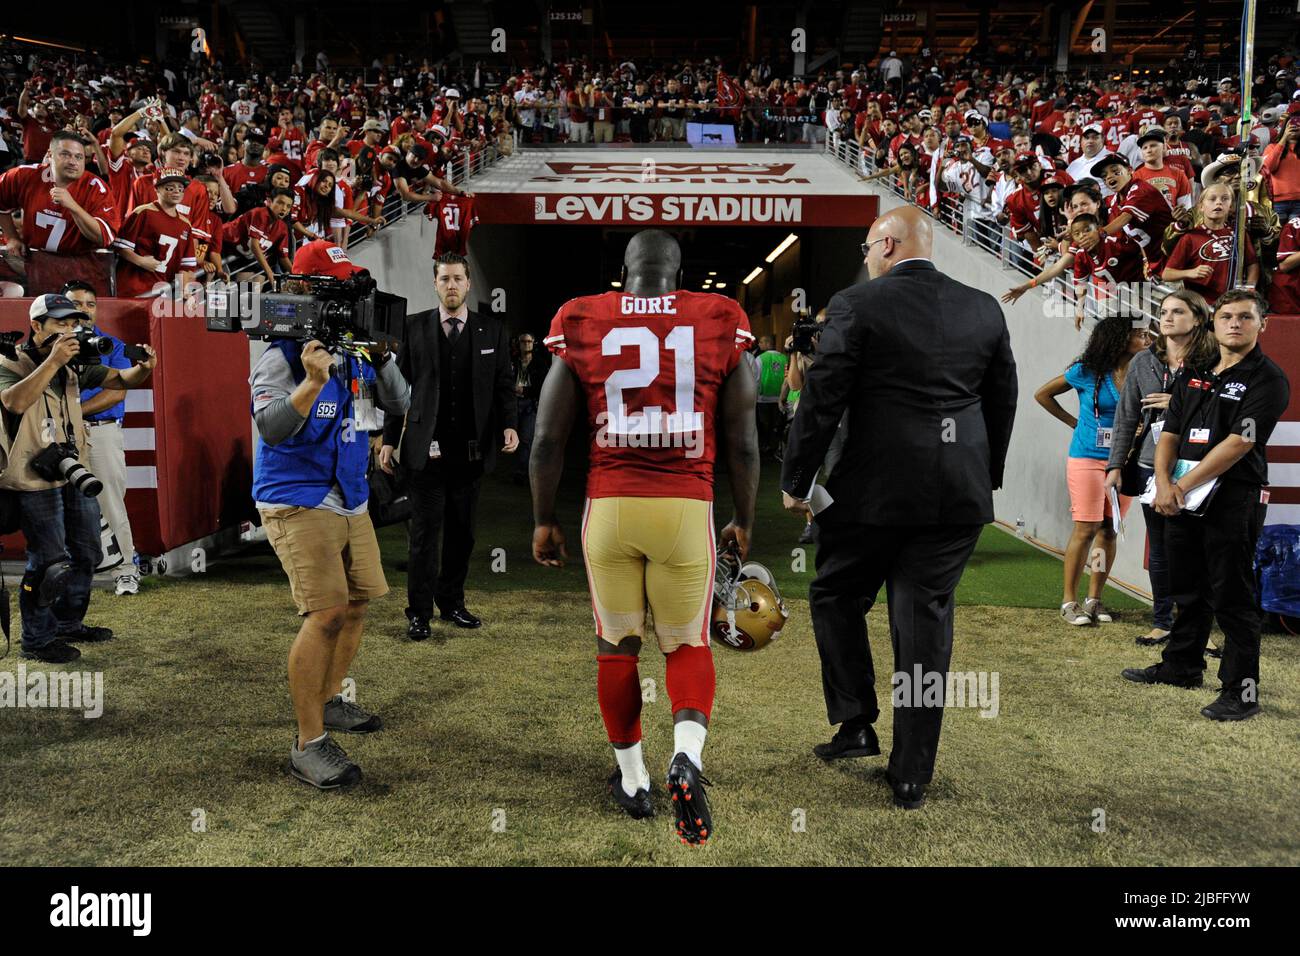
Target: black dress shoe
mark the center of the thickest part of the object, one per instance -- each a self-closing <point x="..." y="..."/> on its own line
<point x="55" y="652"/>
<point x="88" y="635"/>
<point x="461" y="617"/>
<point x="850" y="741"/>
<point x="1229" y="706"/>
<point x="1156" y="675"/>
<point x="418" y="627"/>
<point x="907" y="796"/>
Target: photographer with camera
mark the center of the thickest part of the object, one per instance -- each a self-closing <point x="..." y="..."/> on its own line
<point x="44" y="440"/>
<point x="309" y="483"/>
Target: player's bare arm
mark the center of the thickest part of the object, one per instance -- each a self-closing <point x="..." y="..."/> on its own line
<point x="739" y="396"/>
<point x="555" y="412"/>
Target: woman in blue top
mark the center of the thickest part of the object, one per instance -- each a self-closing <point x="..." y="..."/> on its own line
<point x="1098" y="376"/>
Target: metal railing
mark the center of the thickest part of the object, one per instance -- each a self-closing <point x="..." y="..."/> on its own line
<point x="989" y="236"/>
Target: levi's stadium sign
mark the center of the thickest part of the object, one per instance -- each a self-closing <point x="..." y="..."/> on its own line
<point x="673" y="188"/>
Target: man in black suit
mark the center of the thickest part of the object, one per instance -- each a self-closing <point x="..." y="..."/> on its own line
<point x="462" y="394"/>
<point x="923" y="365"/>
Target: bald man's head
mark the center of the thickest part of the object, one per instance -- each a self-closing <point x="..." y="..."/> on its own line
<point x="652" y="253"/>
<point x="902" y="233"/>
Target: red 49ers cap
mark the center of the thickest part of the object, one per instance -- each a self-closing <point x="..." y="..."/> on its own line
<point x="321" y="257"/>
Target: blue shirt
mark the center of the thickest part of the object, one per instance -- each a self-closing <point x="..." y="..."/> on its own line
<point x="114" y="359"/>
<point x="1000" y="131"/>
<point x="1084" y="443"/>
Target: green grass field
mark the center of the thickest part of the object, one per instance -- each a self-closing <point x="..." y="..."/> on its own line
<point x="494" y="751"/>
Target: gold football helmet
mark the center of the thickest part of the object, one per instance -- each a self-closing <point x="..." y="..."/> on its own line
<point x="748" y="613"/>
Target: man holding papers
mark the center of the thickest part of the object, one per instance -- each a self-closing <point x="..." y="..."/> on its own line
<point x="1210" y="472"/>
<point x="923" y="365"/>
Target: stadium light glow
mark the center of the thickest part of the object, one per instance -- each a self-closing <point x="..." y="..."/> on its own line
<point x="712" y="273"/>
<point x="786" y="243"/>
<point x="753" y="275"/>
<point x="616" y="284"/>
<point x="719" y="285"/>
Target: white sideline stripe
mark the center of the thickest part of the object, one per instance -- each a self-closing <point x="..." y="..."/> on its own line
<point x="137" y="439"/>
<point x="139" y="400"/>
<point x="1285" y="433"/>
<point x="1284" y="474"/>
<point x="141" y="476"/>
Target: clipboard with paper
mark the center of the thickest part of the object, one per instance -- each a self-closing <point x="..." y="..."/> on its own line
<point x="1194" y="501"/>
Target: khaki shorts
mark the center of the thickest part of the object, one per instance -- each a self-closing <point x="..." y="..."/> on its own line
<point x="330" y="559"/>
<point x="658" y="552"/>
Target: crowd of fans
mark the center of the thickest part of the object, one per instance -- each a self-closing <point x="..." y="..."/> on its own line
<point x="266" y="160"/>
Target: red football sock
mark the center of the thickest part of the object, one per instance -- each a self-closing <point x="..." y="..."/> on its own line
<point x="689" y="679"/>
<point x="618" y="687"/>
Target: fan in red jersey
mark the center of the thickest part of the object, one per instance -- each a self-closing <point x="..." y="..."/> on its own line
<point x="1284" y="293"/>
<point x="65" y="209"/>
<point x="1156" y="169"/>
<point x="1136" y="208"/>
<point x="456" y="217"/>
<point x="654" y="365"/>
<point x="1203" y="254"/>
<point x="287" y="143"/>
<point x="157" y="242"/>
<point x="262" y="233"/>
<point x="174" y="152"/>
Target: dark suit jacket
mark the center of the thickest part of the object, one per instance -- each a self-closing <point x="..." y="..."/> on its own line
<point x="494" y="386"/>
<point x="924" y="366"/>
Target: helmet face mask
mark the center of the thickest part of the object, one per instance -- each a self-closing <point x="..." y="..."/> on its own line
<point x="748" y="613"/>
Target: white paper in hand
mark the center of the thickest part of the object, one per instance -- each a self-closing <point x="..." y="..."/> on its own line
<point x="1116" y="521"/>
<point x="820" y="500"/>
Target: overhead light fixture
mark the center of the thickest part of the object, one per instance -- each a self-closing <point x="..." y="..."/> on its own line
<point x="753" y="275"/>
<point x="712" y="273"/>
<point x="786" y="243"/>
<point x="616" y="284"/>
<point x="719" y="285"/>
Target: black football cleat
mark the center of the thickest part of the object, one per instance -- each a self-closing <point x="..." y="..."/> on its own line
<point x="637" y="806"/>
<point x="690" y="803"/>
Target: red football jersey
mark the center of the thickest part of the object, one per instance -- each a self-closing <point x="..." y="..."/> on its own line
<point x="456" y="217"/>
<point x="1151" y="215"/>
<point x="652" y="369"/>
<point x="258" y="224"/>
<point x="238" y="174"/>
<point x="289" y="141"/>
<point x="149" y="231"/>
<point x="122" y="175"/>
<point x="1116" y="260"/>
<point x="1284" y="292"/>
<point x="46" y="224"/>
<point x="1071" y="138"/>
<point x="1208" y="247"/>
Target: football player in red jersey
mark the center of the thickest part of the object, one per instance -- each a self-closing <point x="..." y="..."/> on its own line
<point x="653" y="365"/>
<point x="157" y="240"/>
<point x="65" y="209"/>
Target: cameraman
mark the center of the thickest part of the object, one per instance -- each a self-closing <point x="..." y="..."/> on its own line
<point x="42" y="411"/>
<point x="309" y="483"/>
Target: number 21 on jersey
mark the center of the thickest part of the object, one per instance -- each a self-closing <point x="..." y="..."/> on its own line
<point x="651" y="419"/>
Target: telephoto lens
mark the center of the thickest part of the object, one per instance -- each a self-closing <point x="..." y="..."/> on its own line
<point x="80" y="477"/>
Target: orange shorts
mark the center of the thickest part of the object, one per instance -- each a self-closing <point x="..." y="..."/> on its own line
<point x="1086" y="479"/>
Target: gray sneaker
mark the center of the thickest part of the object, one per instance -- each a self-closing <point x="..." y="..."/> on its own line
<point x="1097" y="611"/>
<point x="1071" y="613"/>
<point x="323" y="764"/>
<point x="346" y="717"/>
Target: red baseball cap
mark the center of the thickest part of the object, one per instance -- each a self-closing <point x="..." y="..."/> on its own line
<point x="321" y="257"/>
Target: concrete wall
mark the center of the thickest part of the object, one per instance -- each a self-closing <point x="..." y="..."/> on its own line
<point x="1034" y="486"/>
